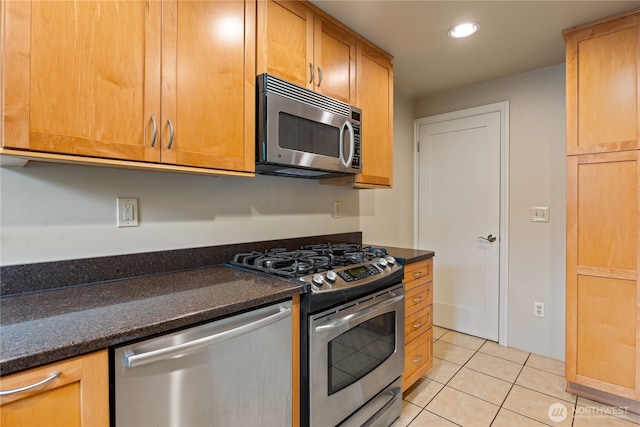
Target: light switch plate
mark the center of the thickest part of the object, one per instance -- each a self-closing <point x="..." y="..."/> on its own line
<point x="540" y="214"/>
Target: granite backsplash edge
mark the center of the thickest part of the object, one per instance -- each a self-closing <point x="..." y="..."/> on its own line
<point x="24" y="278"/>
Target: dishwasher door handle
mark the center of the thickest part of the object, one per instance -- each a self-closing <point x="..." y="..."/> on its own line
<point x="132" y="360"/>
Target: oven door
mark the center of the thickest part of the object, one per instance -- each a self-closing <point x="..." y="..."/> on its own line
<point x="356" y="351"/>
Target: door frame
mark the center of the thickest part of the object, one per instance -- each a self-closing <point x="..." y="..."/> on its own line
<point x="503" y="109"/>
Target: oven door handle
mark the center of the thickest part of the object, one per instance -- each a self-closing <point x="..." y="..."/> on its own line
<point x="356" y="316"/>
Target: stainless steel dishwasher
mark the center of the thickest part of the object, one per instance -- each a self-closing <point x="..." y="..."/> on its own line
<point x="231" y="372"/>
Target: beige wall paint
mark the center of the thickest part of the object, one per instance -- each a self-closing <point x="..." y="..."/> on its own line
<point x="386" y="216"/>
<point x="537" y="178"/>
<point x="54" y="212"/>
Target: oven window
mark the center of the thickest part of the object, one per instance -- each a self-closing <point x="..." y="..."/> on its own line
<point x="299" y="134"/>
<point x="360" y="350"/>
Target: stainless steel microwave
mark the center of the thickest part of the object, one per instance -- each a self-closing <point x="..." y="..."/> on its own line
<point x="305" y="134"/>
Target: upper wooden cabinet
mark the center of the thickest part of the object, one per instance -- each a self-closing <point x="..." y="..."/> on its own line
<point x="306" y="49"/>
<point x="169" y="82"/>
<point x="76" y="394"/>
<point x="603" y="67"/>
<point x="375" y="97"/>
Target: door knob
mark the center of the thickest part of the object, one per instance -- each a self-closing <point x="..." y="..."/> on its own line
<point x="490" y="238"/>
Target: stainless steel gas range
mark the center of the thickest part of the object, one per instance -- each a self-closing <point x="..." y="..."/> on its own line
<point x="352" y="334"/>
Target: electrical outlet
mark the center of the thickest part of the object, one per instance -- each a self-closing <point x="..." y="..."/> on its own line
<point x="538" y="309"/>
<point x="127" y="214"/>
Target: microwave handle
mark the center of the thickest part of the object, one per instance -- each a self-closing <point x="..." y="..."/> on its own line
<point x="352" y="145"/>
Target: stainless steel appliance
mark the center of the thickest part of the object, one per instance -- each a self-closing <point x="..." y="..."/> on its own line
<point x="305" y="134"/>
<point x="231" y="372"/>
<point x="352" y="325"/>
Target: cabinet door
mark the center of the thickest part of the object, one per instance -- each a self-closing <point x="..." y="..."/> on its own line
<point x="208" y="83"/>
<point x="374" y="95"/>
<point x="285" y="33"/>
<point x="603" y="297"/>
<point x="603" y="67"/>
<point x="79" y="396"/>
<point x="82" y="77"/>
<point x="335" y="61"/>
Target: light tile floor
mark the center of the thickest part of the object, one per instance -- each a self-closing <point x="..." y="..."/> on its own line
<point x="475" y="383"/>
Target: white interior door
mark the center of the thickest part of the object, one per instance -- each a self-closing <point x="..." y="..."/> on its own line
<point x="458" y="217"/>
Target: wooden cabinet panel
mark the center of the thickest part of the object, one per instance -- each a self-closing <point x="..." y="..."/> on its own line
<point x="285" y="33"/>
<point x="82" y="77"/>
<point x="603" y="67"/>
<point x="607" y="216"/>
<point x="418" y="323"/>
<point x="374" y="95"/>
<point x="418" y="270"/>
<point x="606" y="348"/>
<point x="418" y="358"/>
<point x="79" y="396"/>
<point x="335" y="61"/>
<point x="208" y="89"/>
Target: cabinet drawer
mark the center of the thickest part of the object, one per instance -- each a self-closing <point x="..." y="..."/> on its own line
<point x="417" y="323"/>
<point x="418" y="298"/>
<point x="419" y="270"/>
<point x="418" y="357"/>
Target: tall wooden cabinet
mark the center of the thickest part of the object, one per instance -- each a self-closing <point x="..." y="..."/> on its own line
<point x="603" y="210"/>
<point x="167" y="82"/>
<point x="75" y="394"/>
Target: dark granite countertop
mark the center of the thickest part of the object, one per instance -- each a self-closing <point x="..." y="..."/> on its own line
<point x="51" y="325"/>
<point x="406" y="255"/>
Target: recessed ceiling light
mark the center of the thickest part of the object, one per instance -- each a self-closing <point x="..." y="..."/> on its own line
<point x="463" y="30"/>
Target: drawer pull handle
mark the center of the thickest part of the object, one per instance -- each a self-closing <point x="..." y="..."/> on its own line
<point x="417" y="275"/>
<point x="417" y="325"/>
<point x="417" y="300"/>
<point x="418" y="360"/>
<point x="31" y="386"/>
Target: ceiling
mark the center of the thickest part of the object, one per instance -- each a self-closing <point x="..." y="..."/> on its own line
<point x="514" y="37"/>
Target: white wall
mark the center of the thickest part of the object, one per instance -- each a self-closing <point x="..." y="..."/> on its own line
<point x="386" y="216"/>
<point x="537" y="178"/>
<point x="53" y="212"/>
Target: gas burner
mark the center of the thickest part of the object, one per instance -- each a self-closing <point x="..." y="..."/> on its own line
<point x="306" y="260"/>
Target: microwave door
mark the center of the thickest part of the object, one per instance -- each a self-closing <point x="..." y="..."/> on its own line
<point x="301" y="135"/>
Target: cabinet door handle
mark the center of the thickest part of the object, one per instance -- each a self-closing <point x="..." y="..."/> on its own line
<point x="31" y="386"/>
<point x="418" y="360"/>
<point x="417" y="300"/>
<point x="311" y="72"/>
<point x="418" y="274"/>
<point x="171" y="134"/>
<point x="319" y="76"/>
<point x="155" y="131"/>
<point x="417" y="325"/>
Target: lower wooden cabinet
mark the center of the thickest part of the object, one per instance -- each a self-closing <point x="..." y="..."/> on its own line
<point x="418" y="278"/>
<point x="603" y="294"/>
<point x="77" y="395"/>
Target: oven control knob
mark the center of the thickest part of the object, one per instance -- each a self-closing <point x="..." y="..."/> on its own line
<point x="318" y="279"/>
<point x="391" y="260"/>
<point x="331" y="276"/>
<point x="382" y="262"/>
